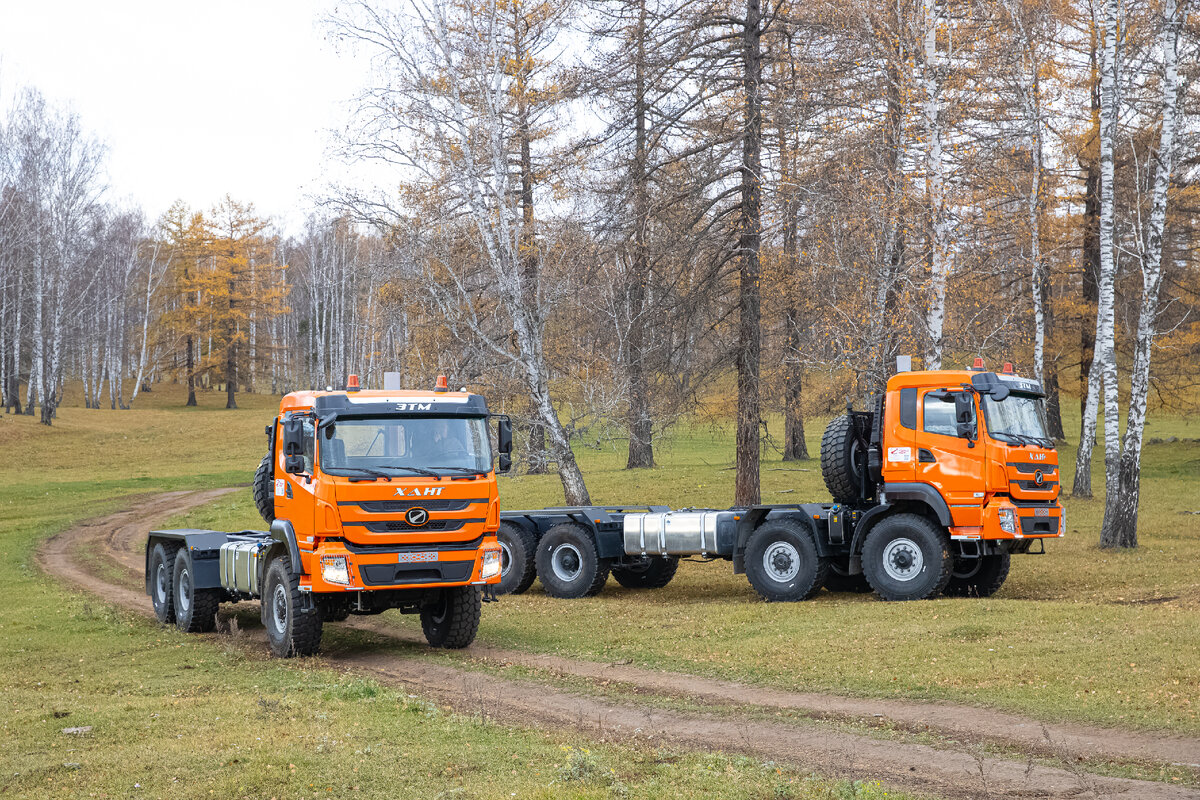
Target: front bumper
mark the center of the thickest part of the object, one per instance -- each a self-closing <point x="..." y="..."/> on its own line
<point x="403" y="568"/>
<point x="1004" y="519"/>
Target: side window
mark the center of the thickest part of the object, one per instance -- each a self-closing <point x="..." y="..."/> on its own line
<point x="908" y="407"/>
<point x="939" y="417"/>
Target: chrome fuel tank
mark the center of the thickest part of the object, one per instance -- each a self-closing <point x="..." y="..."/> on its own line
<point x="680" y="533"/>
<point x="239" y="566"/>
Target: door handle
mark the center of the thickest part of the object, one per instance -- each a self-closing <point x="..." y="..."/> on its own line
<point x="925" y="457"/>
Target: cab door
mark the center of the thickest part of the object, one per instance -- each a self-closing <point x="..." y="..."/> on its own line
<point x="952" y="464"/>
<point x="294" y="498"/>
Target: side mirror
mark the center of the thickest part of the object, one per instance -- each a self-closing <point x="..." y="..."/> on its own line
<point x="293" y="465"/>
<point x="505" y="463"/>
<point x="964" y="415"/>
<point x="504" y="437"/>
<point x="293" y="437"/>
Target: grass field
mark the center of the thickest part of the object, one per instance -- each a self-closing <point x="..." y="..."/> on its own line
<point x="1078" y="634"/>
<point x="176" y="716"/>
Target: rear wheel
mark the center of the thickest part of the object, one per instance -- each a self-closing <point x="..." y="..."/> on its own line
<point x="264" y="488"/>
<point x="978" y="577"/>
<point x="518" y="553"/>
<point x="782" y="562"/>
<point x="652" y="572"/>
<point x="839" y="578"/>
<point x="568" y="564"/>
<point x="907" y="557"/>
<point x="195" y="609"/>
<point x="162" y="576"/>
<point x="452" y="618"/>
<point x="293" y="623"/>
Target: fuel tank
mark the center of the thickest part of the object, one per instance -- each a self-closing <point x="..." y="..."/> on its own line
<point x="680" y="533"/>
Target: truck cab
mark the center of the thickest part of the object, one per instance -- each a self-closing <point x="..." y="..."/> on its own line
<point x="375" y="500"/>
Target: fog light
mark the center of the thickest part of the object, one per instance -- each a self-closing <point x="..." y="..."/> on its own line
<point x="1008" y="520"/>
<point x="491" y="564"/>
<point x="335" y="570"/>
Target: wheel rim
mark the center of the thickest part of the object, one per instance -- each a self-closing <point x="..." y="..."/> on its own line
<point x="183" y="596"/>
<point x="441" y="610"/>
<point x="903" y="560"/>
<point x="160" y="583"/>
<point x="279" y="602"/>
<point x="567" y="562"/>
<point x="781" y="561"/>
<point x="505" y="559"/>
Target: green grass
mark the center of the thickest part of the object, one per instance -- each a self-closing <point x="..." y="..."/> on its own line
<point x="1079" y="634"/>
<point x="172" y="715"/>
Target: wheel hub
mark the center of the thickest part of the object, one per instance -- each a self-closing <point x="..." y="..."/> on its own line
<point x="279" y="608"/>
<point x="567" y="562"/>
<point x="781" y="562"/>
<point x="184" y="596"/>
<point x="160" y="583"/>
<point x="505" y="558"/>
<point x="902" y="560"/>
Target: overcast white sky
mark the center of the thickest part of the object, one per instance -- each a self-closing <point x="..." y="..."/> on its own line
<point x="193" y="99"/>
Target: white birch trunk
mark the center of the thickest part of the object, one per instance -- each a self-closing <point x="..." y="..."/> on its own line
<point x="1119" y="528"/>
<point x="939" y="225"/>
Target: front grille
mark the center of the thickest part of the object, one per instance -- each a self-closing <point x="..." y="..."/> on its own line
<point x="392" y="506"/>
<point x="1032" y="486"/>
<point x="392" y="547"/>
<point x="399" y="525"/>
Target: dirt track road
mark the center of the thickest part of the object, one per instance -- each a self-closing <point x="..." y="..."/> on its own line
<point x="954" y="768"/>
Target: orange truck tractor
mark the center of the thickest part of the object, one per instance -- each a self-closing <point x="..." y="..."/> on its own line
<point x="375" y="500"/>
<point x="934" y="489"/>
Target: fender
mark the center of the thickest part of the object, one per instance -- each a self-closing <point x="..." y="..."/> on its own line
<point x="920" y="492"/>
<point x="282" y="532"/>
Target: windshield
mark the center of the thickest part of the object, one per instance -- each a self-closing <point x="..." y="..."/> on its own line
<point x="409" y="446"/>
<point x="1019" y="419"/>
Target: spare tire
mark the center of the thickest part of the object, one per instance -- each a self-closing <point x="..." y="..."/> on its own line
<point x="264" y="489"/>
<point x="842" y="460"/>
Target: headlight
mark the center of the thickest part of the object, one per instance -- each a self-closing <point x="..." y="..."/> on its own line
<point x="491" y="564"/>
<point x="1008" y="520"/>
<point x="335" y="570"/>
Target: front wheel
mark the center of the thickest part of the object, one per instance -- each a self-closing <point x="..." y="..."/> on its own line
<point x="978" y="577"/>
<point x="292" y="621"/>
<point x="162" y="576"/>
<point x="195" y="609"/>
<point x="451" y="619"/>
<point x="782" y="562"/>
<point x="907" y="557"/>
<point x="568" y="564"/>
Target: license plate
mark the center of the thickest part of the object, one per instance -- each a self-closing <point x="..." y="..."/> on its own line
<point x="416" y="558"/>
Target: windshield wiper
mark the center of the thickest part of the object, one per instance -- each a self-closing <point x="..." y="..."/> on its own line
<point x="417" y="470"/>
<point x="373" y="474"/>
<point x="465" y="470"/>
<point x="1013" y="438"/>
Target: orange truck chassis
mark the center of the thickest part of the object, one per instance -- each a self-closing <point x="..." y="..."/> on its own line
<point x="375" y="500"/>
<point x="934" y="489"/>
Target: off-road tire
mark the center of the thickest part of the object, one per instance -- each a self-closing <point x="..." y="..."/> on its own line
<point x="162" y="581"/>
<point x="580" y="570"/>
<point x="518" y="547"/>
<point x="978" y="577"/>
<point x="264" y="489"/>
<point x="839" y="449"/>
<point x="782" y="562"/>
<point x="452" y="619"/>
<point x="293" y="623"/>
<point x="839" y="579"/>
<point x="654" y="572"/>
<point x="919" y="555"/>
<point x="195" y="609"/>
